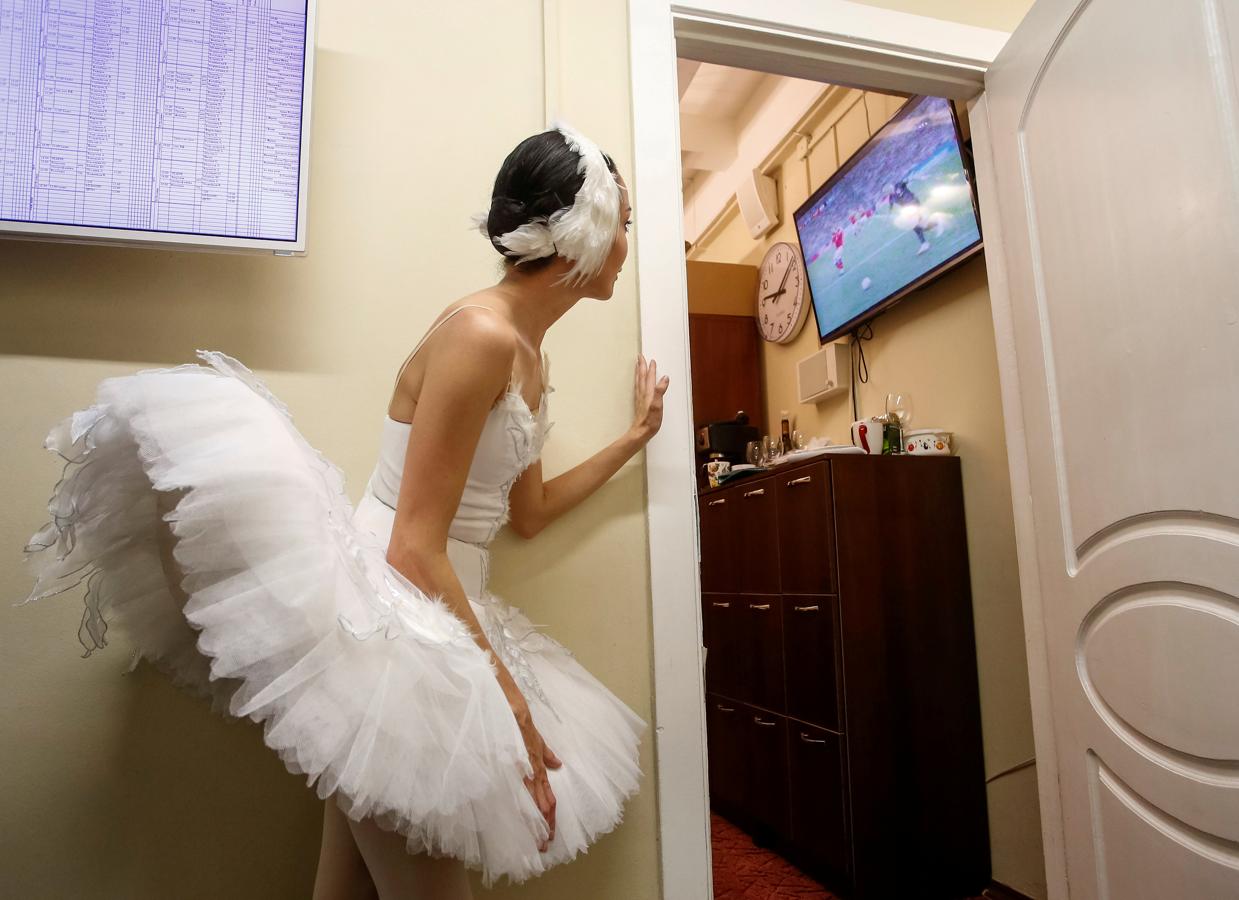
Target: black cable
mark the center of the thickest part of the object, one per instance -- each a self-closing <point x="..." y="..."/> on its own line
<point x="860" y="370"/>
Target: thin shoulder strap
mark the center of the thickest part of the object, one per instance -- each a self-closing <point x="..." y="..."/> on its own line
<point x="432" y="330"/>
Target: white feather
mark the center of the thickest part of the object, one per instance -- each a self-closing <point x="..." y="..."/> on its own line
<point x="583" y="232"/>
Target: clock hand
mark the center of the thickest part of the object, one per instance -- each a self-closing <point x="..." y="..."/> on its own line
<point x="785" y="274"/>
<point x="782" y="283"/>
<point x="783" y="290"/>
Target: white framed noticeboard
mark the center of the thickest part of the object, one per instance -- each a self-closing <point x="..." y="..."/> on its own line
<point x="175" y="123"/>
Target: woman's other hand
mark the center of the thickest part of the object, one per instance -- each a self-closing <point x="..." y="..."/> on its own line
<point x="647" y="391"/>
<point x="540" y="757"/>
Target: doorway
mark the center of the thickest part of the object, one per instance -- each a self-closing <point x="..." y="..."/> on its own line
<point x="834" y="42"/>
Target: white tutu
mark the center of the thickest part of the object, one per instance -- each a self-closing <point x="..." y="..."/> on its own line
<point x="365" y="684"/>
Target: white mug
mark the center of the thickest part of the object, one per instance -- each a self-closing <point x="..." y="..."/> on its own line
<point x="867" y="434"/>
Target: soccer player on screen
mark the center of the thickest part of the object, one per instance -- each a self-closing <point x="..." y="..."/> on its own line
<point x="837" y="240"/>
<point x="909" y="212"/>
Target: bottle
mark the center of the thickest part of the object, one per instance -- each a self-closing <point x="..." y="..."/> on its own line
<point x="892" y="436"/>
<point x="785" y="426"/>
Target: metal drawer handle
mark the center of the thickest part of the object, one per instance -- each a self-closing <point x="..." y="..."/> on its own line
<point x="724" y="604"/>
<point x="757" y="493"/>
<point x="759" y="606"/>
<point x="804" y="480"/>
<point x="721" y="708"/>
<point x="717" y="502"/>
<point x="812" y="608"/>
<point x="758" y="720"/>
<point x="808" y="740"/>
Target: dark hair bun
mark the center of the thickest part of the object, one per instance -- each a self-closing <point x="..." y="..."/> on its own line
<point x="537" y="178"/>
<point x="508" y="206"/>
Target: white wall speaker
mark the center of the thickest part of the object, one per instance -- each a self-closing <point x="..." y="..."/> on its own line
<point x="825" y="373"/>
<point x="759" y="204"/>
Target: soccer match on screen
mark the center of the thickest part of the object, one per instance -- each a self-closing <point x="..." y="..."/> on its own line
<point x="900" y="211"/>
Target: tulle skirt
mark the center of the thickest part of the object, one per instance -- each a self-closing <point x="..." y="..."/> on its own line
<point x="364" y="683"/>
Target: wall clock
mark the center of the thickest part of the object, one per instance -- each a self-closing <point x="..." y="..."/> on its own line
<point x="782" y="305"/>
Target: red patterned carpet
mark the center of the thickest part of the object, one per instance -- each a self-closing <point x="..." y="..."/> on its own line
<point x="744" y="871"/>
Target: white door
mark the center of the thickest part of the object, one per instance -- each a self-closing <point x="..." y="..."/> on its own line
<point x="1113" y="233"/>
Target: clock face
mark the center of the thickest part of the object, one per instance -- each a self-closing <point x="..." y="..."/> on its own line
<point x="781" y="305"/>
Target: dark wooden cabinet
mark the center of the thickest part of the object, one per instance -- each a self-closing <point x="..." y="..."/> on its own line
<point x="811" y="658"/>
<point x="806" y="543"/>
<point x="760" y="645"/>
<point x="755" y="523"/>
<point x="727" y="757"/>
<point x="766" y="781"/>
<point x="723" y="623"/>
<point x="818" y="811"/>
<point x="842" y="706"/>
<point x="720" y="542"/>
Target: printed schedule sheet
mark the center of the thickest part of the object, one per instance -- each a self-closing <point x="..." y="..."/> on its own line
<point x="153" y="115"/>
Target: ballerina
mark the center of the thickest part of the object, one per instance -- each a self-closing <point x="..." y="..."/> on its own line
<point x="443" y="730"/>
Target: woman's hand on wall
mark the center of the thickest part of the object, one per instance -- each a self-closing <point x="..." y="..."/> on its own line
<point x="648" y="390"/>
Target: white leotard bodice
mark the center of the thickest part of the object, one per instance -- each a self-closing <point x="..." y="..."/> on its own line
<point x="510" y="442"/>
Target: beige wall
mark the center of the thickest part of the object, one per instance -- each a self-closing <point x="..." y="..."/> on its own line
<point x="1001" y="15"/>
<point x="123" y="787"/>
<point x="938" y="345"/>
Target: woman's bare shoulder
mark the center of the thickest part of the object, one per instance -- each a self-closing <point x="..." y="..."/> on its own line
<point x="477" y="328"/>
<point x="480" y="342"/>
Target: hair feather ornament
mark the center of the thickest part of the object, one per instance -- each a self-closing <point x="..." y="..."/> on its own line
<point x="582" y="232"/>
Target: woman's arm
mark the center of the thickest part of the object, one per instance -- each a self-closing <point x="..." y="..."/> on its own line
<point x="468" y="363"/>
<point x="457" y="392"/>
<point x="534" y="504"/>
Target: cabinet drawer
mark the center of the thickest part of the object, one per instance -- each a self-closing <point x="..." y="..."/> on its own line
<point x="726" y="738"/>
<point x="757" y="527"/>
<point x="723" y="627"/>
<point x="810" y="653"/>
<point x="818" y="802"/>
<point x="766" y="794"/>
<point x="806" y="531"/>
<point x="719" y="541"/>
<point x="762" y="651"/>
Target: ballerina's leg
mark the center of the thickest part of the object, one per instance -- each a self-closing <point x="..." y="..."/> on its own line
<point x="400" y="875"/>
<point x="342" y="873"/>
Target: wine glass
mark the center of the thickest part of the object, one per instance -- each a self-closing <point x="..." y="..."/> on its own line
<point x="899" y="406"/>
<point x="753" y="452"/>
<point x="798" y="441"/>
<point x="770" y="449"/>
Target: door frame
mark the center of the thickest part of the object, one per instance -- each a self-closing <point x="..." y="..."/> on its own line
<point x="842" y="43"/>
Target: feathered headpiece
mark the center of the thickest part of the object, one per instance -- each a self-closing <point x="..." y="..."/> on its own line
<point x="582" y="232"/>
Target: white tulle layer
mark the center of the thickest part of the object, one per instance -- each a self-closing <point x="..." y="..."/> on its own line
<point x="365" y="684"/>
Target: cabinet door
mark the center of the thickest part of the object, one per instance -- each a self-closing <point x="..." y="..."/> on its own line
<point x="726" y="736"/>
<point x="818" y="817"/>
<point x="810" y="656"/>
<point x="806" y="530"/>
<point x="725" y="352"/>
<point x="724" y="617"/>
<point x="766" y="794"/>
<point x="761" y="638"/>
<point x="757" y="527"/>
<point x="719" y="541"/>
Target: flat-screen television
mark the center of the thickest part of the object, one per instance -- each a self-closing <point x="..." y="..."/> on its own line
<point x="178" y="124"/>
<point x="898" y="213"/>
